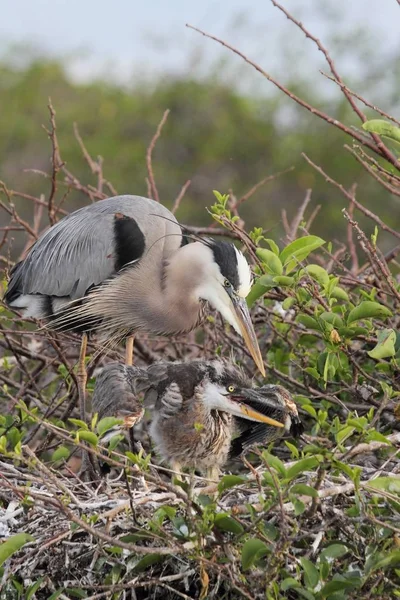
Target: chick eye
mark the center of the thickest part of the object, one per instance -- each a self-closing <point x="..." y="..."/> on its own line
<point x="227" y="283"/>
<point x="231" y="388"/>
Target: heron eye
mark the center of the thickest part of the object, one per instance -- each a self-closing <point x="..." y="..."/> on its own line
<point x="227" y="283"/>
<point x="231" y="388"/>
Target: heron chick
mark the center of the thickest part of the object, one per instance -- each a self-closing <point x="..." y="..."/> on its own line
<point x="197" y="409"/>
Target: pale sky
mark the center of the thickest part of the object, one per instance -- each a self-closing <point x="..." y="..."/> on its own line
<point x="127" y="38"/>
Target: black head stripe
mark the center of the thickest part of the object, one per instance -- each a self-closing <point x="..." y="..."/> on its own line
<point x="226" y="258"/>
<point x="129" y="240"/>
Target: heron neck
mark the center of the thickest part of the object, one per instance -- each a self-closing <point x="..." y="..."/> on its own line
<point x="181" y="305"/>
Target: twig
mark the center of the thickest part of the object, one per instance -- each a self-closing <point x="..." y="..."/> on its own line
<point x="350" y="240"/>
<point x="382" y="147"/>
<point x="332" y="121"/>
<point x="152" y="183"/>
<point x="180" y="196"/>
<point x="371" y="251"/>
<point x="56" y="162"/>
<point x="360" y="98"/>
<point x="351" y="197"/>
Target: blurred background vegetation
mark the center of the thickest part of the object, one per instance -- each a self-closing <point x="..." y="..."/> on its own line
<point x="222" y="134"/>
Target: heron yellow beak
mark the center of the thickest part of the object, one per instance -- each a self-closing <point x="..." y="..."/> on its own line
<point x="247" y="330"/>
<point x="254" y="415"/>
<point x="239" y="405"/>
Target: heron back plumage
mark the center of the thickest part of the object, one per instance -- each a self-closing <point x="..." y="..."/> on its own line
<point x="88" y="247"/>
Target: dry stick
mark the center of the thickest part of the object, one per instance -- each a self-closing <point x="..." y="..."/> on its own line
<point x="385" y="151"/>
<point x="57" y="163"/>
<point x="210" y="231"/>
<point x="152" y="183"/>
<point x="95" y="532"/>
<point x="354" y="134"/>
<point x="351" y="197"/>
<point x="371" y="171"/>
<point x="299" y="216"/>
<point x="180" y="196"/>
<point x="259" y="184"/>
<point x="371" y="251"/>
<point x="350" y="241"/>
<point x="95" y="166"/>
<point x="360" y="98"/>
<point x="391" y="177"/>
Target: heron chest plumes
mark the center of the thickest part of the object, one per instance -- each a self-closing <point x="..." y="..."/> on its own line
<point x="197" y="437"/>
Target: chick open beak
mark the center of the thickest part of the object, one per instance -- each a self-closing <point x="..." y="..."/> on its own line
<point x="237" y="405"/>
<point x="246" y="328"/>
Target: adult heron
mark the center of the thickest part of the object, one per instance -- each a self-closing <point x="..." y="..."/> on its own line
<point x="120" y="266"/>
<point x="197" y="409"/>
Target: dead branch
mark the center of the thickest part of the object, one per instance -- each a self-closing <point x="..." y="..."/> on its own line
<point x="152" y="183"/>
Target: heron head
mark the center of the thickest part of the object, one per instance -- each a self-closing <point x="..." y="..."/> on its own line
<point x="225" y="390"/>
<point x="226" y="282"/>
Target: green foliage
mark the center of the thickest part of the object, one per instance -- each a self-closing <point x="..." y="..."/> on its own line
<point x="383" y="128"/>
<point x="13" y="544"/>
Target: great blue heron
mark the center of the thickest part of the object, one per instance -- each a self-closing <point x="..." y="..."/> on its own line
<point x="119" y="266"/>
<point x="197" y="409"/>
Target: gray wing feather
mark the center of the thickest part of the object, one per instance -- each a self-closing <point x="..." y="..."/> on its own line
<point x="79" y="251"/>
<point x="114" y="390"/>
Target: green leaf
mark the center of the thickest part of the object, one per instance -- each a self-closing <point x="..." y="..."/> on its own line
<point x="308" y="321"/>
<point x="332" y="318"/>
<point x="228" y="481"/>
<point x="107" y="423"/>
<point x="305" y="594"/>
<point x="367" y="310"/>
<point x="56" y="594"/>
<point x="382" y="127"/>
<point x="303" y="490"/>
<point x="311" y="572"/>
<point x="299" y="507"/>
<point x="79" y="423"/>
<point x="335" y="585"/>
<point x="333" y="551"/>
<point x="283" y="280"/>
<point x="33" y="588"/>
<point x="88" y="436"/>
<point x="305" y="464"/>
<point x="252" y="550"/>
<point x="339" y="293"/>
<point x="293" y="449"/>
<point x="273" y="246"/>
<point x="270" y="260"/>
<point x="258" y="289"/>
<point x="227" y="523"/>
<point x="382" y="560"/>
<point x="289" y="584"/>
<point x="147" y="561"/>
<point x="343" y="434"/>
<point x="299" y="250"/>
<point x="314" y="373"/>
<point x="388" y="484"/>
<point x="62" y="453"/>
<point x="385" y="348"/>
<point x="316" y="272"/>
<point x="274" y="462"/>
<point x="13" y="544"/>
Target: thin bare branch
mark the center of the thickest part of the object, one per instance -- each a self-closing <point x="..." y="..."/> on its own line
<point x="152" y="183"/>
<point x="332" y="121"/>
<point x="351" y="197"/>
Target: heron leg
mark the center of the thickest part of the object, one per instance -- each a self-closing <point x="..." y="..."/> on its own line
<point x="176" y="466"/>
<point x="88" y="469"/>
<point x="81" y="377"/>
<point x="212" y="489"/>
<point x="129" y="350"/>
